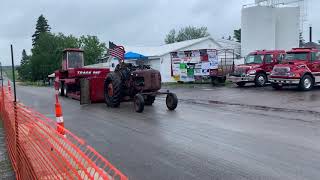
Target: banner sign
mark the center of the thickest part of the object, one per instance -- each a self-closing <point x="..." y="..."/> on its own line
<point x="188" y="64"/>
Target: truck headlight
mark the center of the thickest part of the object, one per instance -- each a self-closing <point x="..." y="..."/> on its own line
<point x="252" y="72"/>
<point x="290" y="74"/>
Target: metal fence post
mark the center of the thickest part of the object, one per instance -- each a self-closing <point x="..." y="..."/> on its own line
<point x="15" y="113"/>
<point x="1" y="75"/>
<point x="13" y="76"/>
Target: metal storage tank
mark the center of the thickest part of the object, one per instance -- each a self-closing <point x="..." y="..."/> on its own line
<point x="287" y="27"/>
<point x="258" y="29"/>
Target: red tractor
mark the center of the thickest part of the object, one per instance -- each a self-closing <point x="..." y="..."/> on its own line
<point x="140" y="84"/>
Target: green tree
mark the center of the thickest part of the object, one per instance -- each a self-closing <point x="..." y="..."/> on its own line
<point x="42" y="26"/>
<point x="24" y="69"/>
<point x="186" y="33"/>
<point x="48" y="48"/>
<point x="93" y="48"/>
<point x="237" y="35"/>
<point x="170" y="37"/>
<point x="45" y="56"/>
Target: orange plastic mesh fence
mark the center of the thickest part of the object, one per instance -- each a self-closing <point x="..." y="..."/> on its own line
<point x="37" y="151"/>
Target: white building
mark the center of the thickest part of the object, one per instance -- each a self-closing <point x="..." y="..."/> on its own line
<point x="159" y="56"/>
<point x="270" y="26"/>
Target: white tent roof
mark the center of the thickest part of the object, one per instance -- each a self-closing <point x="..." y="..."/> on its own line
<point x="167" y="48"/>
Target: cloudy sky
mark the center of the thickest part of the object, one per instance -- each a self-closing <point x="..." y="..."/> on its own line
<point x="135" y="22"/>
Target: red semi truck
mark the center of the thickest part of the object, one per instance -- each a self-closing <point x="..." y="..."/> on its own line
<point x="300" y="67"/>
<point x="256" y="68"/>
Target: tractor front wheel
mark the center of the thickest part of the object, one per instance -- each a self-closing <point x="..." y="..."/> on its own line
<point x="172" y="101"/>
<point x="138" y="103"/>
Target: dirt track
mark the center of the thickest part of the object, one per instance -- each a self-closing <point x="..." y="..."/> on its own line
<point x="216" y="133"/>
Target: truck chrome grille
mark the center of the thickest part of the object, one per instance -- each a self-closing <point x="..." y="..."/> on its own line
<point x="281" y="70"/>
<point x="239" y="71"/>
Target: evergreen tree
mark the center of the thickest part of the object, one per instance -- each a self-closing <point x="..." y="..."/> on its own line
<point x="24" y="69"/>
<point x="237" y="35"/>
<point x="171" y="37"/>
<point x="24" y="58"/>
<point x="41" y="27"/>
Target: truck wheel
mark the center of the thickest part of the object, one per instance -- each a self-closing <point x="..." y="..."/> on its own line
<point x="172" y="101"/>
<point x="241" y="84"/>
<point x="306" y="83"/>
<point x="149" y="100"/>
<point x="276" y="86"/>
<point x="112" y="90"/>
<point x="66" y="90"/>
<point x="138" y="103"/>
<point x="260" y="80"/>
<point x="61" y="89"/>
<point x="213" y="81"/>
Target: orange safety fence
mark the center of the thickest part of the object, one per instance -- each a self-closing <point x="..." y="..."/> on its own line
<point x="38" y="151"/>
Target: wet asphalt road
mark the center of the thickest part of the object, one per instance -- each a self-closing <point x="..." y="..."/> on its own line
<point x="215" y="133"/>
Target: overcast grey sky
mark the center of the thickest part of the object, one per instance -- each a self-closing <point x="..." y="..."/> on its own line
<point x="134" y="22"/>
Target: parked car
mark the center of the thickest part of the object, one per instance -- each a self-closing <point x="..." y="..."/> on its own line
<point x="300" y="67"/>
<point x="256" y="68"/>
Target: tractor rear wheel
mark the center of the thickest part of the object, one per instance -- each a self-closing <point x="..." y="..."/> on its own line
<point x="172" y="101"/>
<point x="112" y="90"/>
<point x="138" y="103"/>
<point x="149" y="100"/>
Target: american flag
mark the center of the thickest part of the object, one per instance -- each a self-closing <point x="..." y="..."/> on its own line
<point x="116" y="51"/>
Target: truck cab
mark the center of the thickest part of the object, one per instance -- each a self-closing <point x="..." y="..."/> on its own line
<point x="72" y="58"/>
<point x="300" y="67"/>
<point x="256" y="68"/>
